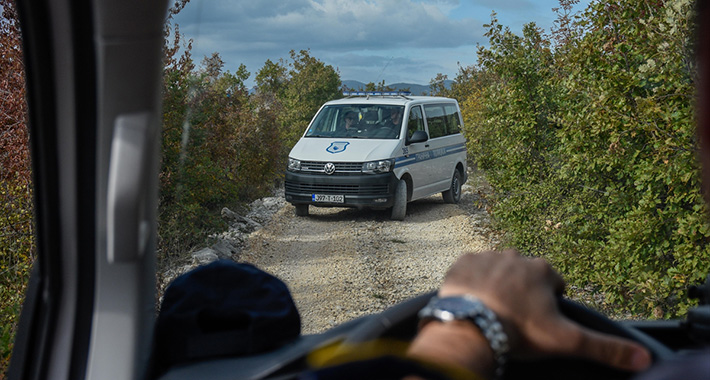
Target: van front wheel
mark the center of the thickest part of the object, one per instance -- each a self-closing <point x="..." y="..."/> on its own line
<point x="301" y="210"/>
<point x="453" y="195"/>
<point x="399" y="208"/>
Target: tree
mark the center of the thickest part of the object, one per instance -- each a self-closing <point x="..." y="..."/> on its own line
<point x="438" y="86"/>
<point x="295" y="90"/>
<point x="311" y="84"/>
<point x="272" y="79"/>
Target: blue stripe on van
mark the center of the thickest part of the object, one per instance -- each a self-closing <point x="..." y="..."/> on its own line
<point x="429" y="155"/>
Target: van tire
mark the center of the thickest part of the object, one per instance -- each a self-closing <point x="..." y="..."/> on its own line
<point x="399" y="208"/>
<point x="301" y="210"/>
<point x="453" y="195"/>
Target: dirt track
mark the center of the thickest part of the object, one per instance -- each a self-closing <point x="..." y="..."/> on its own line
<point x="343" y="263"/>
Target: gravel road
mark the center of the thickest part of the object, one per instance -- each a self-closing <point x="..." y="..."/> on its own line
<point x="342" y="263"/>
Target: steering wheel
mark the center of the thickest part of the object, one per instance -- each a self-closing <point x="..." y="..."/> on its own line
<point x="384" y="132"/>
<point x="400" y="322"/>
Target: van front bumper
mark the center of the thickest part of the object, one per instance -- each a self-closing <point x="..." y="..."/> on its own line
<point x="364" y="190"/>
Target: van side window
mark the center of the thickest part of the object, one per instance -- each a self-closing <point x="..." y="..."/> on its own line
<point x="436" y="120"/>
<point x="415" y="122"/>
<point x="442" y="119"/>
<point x="453" y="120"/>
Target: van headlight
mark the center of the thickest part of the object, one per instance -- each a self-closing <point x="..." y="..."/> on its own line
<point x="294" y="165"/>
<point x="377" y="167"/>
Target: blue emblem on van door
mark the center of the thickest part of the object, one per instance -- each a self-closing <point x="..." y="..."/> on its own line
<point x="337" y="147"/>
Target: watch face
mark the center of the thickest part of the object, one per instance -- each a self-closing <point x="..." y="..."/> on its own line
<point x="459" y="307"/>
<point x="454" y="303"/>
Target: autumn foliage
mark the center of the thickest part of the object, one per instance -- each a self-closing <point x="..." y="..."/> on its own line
<point x="16" y="240"/>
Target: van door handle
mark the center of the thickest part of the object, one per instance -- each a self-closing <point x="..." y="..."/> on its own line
<point x="426" y="145"/>
<point x="127" y="230"/>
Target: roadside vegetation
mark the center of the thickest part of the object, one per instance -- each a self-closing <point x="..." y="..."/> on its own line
<point x="224" y="145"/>
<point x="16" y="228"/>
<point x="587" y="136"/>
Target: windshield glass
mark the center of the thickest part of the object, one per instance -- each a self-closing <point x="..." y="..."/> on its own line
<point x="359" y="121"/>
<point x="588" y="166"/>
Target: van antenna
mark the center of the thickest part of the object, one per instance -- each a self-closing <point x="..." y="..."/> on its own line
<point x="383" y="70"/>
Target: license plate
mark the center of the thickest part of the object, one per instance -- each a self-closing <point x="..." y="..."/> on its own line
<point x="328" y="198"/>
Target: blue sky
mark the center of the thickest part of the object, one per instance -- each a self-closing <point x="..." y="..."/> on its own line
<point x="366" y="40"/>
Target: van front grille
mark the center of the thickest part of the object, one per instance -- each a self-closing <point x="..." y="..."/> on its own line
<point x="341" y="168"/>
<point x="306" y="188"/>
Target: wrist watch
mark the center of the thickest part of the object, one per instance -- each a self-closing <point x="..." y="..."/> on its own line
<point x="469" y="308"/>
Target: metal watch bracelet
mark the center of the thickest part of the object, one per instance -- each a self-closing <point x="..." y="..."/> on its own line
<point x="467" y="307"/>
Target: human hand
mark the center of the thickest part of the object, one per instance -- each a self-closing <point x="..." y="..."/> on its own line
<point x="523" y="292"/>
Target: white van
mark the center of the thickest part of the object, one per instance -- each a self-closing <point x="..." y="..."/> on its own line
<point x="378" y="150"/>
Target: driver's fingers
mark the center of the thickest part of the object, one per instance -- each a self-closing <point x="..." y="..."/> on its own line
<point x="610" y="350"/>
<point x="551" y="276"/>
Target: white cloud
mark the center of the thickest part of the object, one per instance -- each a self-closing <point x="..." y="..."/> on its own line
<point x="333" y="24"/>
<point x="357" y="36"/>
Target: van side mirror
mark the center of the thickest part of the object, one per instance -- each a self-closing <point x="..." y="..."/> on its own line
<point x="417" y="137"/>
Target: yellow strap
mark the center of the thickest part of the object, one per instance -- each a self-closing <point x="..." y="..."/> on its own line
<point x="339" y="353"/>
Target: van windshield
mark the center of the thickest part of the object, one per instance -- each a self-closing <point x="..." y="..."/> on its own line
<point x="369" y="121"/>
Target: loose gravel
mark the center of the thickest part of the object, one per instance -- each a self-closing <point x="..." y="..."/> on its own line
<point x="342" y="263"/>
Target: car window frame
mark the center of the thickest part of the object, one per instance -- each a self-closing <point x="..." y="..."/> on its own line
<point x="74" y="94"/>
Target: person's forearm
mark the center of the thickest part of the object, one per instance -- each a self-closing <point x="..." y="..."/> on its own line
<point x="458" y="343"/>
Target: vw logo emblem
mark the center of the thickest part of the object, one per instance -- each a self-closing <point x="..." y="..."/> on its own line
<point x="329" y="168"/>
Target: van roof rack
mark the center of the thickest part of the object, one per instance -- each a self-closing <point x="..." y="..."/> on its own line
<point x="403" y="94"/>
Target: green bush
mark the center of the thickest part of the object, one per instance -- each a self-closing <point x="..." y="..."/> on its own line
<point x="589" y="144"/>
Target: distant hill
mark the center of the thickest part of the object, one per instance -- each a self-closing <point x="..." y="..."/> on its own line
<point x="416" y="89"/>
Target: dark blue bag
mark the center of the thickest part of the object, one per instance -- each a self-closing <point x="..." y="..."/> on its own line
<point x="223" y="309"/>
